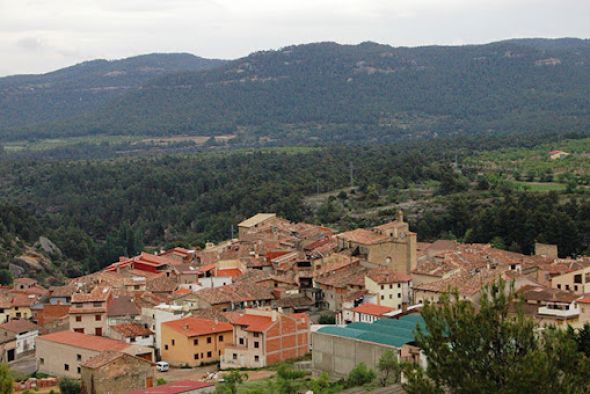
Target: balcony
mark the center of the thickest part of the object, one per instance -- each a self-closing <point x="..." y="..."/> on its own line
<point x="564" y="313"/>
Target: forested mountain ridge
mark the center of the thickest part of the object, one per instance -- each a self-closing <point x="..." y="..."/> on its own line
<point x="32" y="100"/>
<point x="367" y="92"/>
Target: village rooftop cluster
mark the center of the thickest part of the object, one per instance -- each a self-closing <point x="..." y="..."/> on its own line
<point x="256" y="300"/>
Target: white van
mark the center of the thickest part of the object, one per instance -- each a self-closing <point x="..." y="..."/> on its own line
<point x="162" y="366"/>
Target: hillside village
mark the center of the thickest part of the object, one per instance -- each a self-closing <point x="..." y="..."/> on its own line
<point x="257" y="300"/>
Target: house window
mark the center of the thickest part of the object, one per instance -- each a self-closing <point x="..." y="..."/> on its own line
<point x="241" y="341"/>
<point x="66" y="367"/>
<point x="391" y="286"/>
<point x="391" y="296"/>
<point x="79" y="330"/>
<point x="78" y="318"/>
<point x="79" y="357"/>
<point x="575" y="287"/>
<point x="208" y="354"/>
<point x="256" y="334"/>
<point x="559" y="286"/>
<point x="165" y="347"/>
<point x="195" y="342"/>
<point x="256" y="359"/>
<point x="208" y="339"/>
<point x="132" y="339"/>
<point x="97" y="304"/>
<point x="399" y="285"/>
<point x="221" y="338"/>
<point x="97" y="317"/>
<point x="42" y="361"/>
<point x="382" y="297"/>
<point x="382" y="287"/>
<point x="256" y="345"/>
<point x="235" y="356"/>
<point x="173" y="342"/>
<point x="196" y="356"/>
<point x="78" y="370"/>
<point x="578" y="278"/>
<point x="567" y="287"/>
<point x="399" y="295"/>
<point x="98" y="331"/>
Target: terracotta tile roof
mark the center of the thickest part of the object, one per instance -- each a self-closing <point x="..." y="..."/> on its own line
<point x="387" y="275"/>
<point x="256" y="219"/>
<point x="547" y="294"/>
<point x="84" y="341"/>
<point x="372" y="309"/>
<point x="107" y="357"/>
<point x="254" y="323"/>
<point x="584" y="300"/>
<point x="352" y="276"/>
<point x="182" y="291"/>
<point x="236" y="292"/>
<point x="132" y="330"/>
<point x="231" y="272"/>
<point x="62" y="291"/>
<point x="161" y="285"/>
<point x="465" y="283"/>
<point x="363" y="236"/>
<point x="178" y="387"/>
<point x="296" y="301"/>
<point x="98" y="294"/>
<point x="123" y="306"/>
<point x="22" y="300"/>
<point x="192" y="326"/>
<point x="51" y="313"/>
<point x="17" y="326"/>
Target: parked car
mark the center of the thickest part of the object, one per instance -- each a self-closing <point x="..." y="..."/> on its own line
<point x="162" y="366"/>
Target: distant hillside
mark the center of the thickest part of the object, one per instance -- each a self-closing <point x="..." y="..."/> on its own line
<point x="30" y="101"/>
<point x="368" y="92"/>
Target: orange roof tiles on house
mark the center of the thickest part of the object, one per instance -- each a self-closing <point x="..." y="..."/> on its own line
<point x="107" y="357"/>
<point x="98" y="294"/>
<point x="231" y="272"/>
<point x="254" y="323"/>
<point x="207" y="267"/>
<point x="84" y="341"/>
<point x="26" y="281"/>
<point x="372" y="309"/>
<point x="192" y="326"/>
<point x="584" y="300"/>
<point x="131" y="330"/>
<point x="18" y="326"/>
<point x="182" y="291"/>
<point x="387" y="276"/>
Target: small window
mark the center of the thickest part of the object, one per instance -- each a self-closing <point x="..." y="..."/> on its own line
<point x="173" y="342"/>
<point x="97" y="304"/>
<point x="66" y="367"/>
<point x="208" y="354"/>
<point x="165" y="347"/>
<point x="78" y="318"/>
<point x="559" y="286"/>
<point x="391" y="296"/>
<point x="567" y="287"/>
<point x="97" y="318"/>
<point x="382" y="297"/>
<point x="79" y="357"/>
<point x="399" y="295"/>
<point x="256" y="344"/>
<point x="399" y="285"/>
<point x="196" y="356"/>
<point x="195" y="342"/>
<point x="221" y="338"/>
<point x="208" y="339"/>
<point x="241" y="341"/>
<point x="575" y="287"/>
<point x="42" y="361"/>
<point x="235" y="356"/>
<point x="79" y="330"/>
<point x="391" y="286"/>
<point x="256" y="334"/>
<point x="256" y="358"/>
<point x="132" y="339"/>
<point x="382" y="287"/>
<point x="78" y="370"/>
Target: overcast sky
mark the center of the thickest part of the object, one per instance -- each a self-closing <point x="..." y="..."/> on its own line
<point x="42" y="35"/>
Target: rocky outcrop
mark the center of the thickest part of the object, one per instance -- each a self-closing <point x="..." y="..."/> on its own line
<point x="44" y="244"/>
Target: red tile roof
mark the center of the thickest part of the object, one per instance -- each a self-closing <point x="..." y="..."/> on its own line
<point x="372" y="309"/>
<point x="98" y="294"/>
<point x="84" y="341"/>
<point x="18" y="326"/>
<point x="231" y="272"/>
<point x="107" y="357"/>
<point x="178" y="387"/>
<point x="254" y="323"/>
<point x="132" y="330"/>
<point x="584" y="300"/>
<point x="387" y="275"/>
<point x="363" y="236"/>
<point x="192" y="326"/>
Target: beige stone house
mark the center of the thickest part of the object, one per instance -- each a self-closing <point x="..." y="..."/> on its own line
<point x="116" y="372"/>
<point x="392" y="289"/>
<point x="88" y="311"/>
<point x="62" y="353"/>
